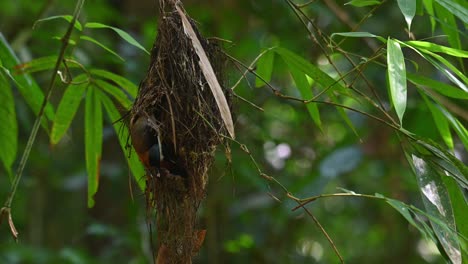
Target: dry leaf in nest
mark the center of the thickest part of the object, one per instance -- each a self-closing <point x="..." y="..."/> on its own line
<point x="176" y="124"/>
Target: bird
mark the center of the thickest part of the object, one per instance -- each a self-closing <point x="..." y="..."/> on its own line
<point x="151" y="153"/>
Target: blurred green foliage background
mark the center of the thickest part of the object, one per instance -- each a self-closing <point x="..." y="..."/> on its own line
<point x="248" y="219"/>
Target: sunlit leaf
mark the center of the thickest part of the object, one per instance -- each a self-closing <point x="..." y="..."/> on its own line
<point x="67" y="108"/>
<point x="8" y="126"/>
<point x="116" y="92"/>
<point x="93" y="141"/>
<point x="408" y="9"/>
<point x="438" y="48"/>
<point x="456" y="9"/>
<point x="124" y="83"/>
<point x="90" y="39"/>
<point x="361" y="3"/>
<point x="265" y="68"/>
<point x="124" y="35"/>
<point x="397" y="77"/>
<point x="437" y="203"/>
<point x="440" y="122"/>
<point x="122" y="132"/>
<point x="66" y="17"/>
<point x="440" y="87"/>
<point x="26" y="85"/>
<point x="306" y="92"/>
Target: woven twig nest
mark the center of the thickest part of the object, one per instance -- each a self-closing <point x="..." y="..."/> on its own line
<point x="178" y="105"/>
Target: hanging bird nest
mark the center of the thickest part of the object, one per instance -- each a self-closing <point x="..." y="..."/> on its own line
<point x="187" y="118"/>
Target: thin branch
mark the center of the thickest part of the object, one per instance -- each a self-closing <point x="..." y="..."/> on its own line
<point x="32" y="137"/>
<point x="317" y="223"/>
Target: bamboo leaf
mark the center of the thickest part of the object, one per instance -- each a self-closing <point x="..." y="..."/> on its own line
<point x="68" y="18"/>
<point x="456" y="9"/>
<point x="122" y="132"/>
<point x="265" y="68"/>
<point x="124" y="35"/>
<point x="116" y="92"/>
<point x="209" y="74"/>
<point x="457" y="126"/>
<point x="359" y="35"/>
<point x="428" y="5"/>
<point x="309" y="69"/>
<point x="448" y="24"/>
<point x="440" y="87"/>
<point x="437" y="203"/>
<point x="440" y="122"/>
<point x="429" y="46"/>
<point x="93" y="141"/>
<point x="67" y="108"/>
<point x="397" y="77"/>
<point x="8" y="126"/>
<point x="26" y="85"/>
<point x="90" y="39"/>
<point x="305" y="89"/>
<point x="408" y="9"/>
<point x="124" y="83"/>
<point x="362" y="3"/>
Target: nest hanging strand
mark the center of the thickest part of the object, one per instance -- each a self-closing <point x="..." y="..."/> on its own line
<point x="182" y="116"/>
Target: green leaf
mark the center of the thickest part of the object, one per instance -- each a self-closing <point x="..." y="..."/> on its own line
<point x="122" y="132"/>
<point x="343" y="114"/>
<point x="93" y="141"/>
<point x="457" y="126"/>
<point x="90" y="39"/>
<point x="264" y="68"/>
<point x="440" y="87"/>
<point x="449" y="25"/>
<point x="324" y="80"/>
<point x="408" y="9"/>
<point x="39" y="64"/>
<point x="124" y="35"/>
<point x="459" y="206"/>
<point x="450" y="66"/>
<point x="397" y="77"/>
<point x="26" y="85"/>
<point x="8" y="126"/>
<point x="124" y="83"/>
<point x="361" y="3"/>
<point x="441" y="122"/>
<point x="430" y="11"/>
<point x="44" y="63"/>
<point x="310" y="70"/>
<point x="456" y="9"/>
<point x="305" y="89"/>
<point x="359" y="35"/>
<point x="441" y="158"/>
<point x="66" y="17"/>
<point x="406" y="212"/>
<point x="429" y="46"/>
<point x="116" y="92"/>
<point x="67" y="108"/>
<point x="437" y="203"/>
